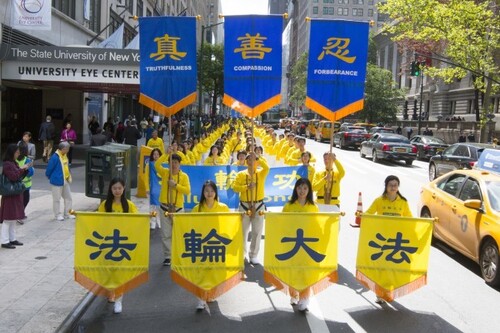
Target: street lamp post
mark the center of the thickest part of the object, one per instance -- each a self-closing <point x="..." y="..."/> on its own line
<point x="421" y="100"/>
<point x="200" y="73"/>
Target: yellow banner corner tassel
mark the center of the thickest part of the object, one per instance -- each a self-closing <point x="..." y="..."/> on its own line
<point x="96" y="289"/>
<point x="315" y="288"/>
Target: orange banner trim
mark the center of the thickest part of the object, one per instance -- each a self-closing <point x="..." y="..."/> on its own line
<point x="316" y="288"/>
<point x="248" y="111"/>
<point x="334" y="115"/>
<point x="207" y="295"/>
<point x="167" y="110"/>
<point x="390" y="295"/>
<point x="97" y="289"/>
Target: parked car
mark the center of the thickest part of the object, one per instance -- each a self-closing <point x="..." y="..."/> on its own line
<point x="390" y="147"/>
<point x="378" y="129"/>
<point x="300" y="129"/>
<point x="366" y="126"/>
<point x="467" y="205"/>
<point x="428" y="146"/>
<point x="323" y="131"/>
<point x="462" y="155"/>
<point x="311" y="129"/>
<point x="350" y="136"/>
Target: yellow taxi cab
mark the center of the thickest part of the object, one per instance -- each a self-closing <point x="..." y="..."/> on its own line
<point x="367" y="126"/>
<point x="323" y="130"/>
<point x="467" y="205"/>
<point x="311" y="128"/>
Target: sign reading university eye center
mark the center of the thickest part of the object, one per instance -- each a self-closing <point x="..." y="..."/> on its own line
<point x="168" y="63"/>
<point x="69" y="64"/>
<point x="252" y="63"/>
<point x="338" y="52"/>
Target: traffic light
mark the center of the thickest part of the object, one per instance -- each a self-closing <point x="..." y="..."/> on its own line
<point x="415" y="68"/>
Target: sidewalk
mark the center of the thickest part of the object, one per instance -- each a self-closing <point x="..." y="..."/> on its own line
<point x="38" y="291"/>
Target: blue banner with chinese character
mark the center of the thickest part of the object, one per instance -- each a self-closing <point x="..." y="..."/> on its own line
<point x="168" y="63"/>
<point x="336" y="71"/>
<point x="207" y="252"/>
<point x="111" y="252"/>
<point x="252" y="63"/>
<point x="278" y="188"/>
<point x="393" y="254"/>
<point x="301" y="249"/>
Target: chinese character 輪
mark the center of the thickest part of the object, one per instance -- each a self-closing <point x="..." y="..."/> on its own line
<point x="212" y="247"/>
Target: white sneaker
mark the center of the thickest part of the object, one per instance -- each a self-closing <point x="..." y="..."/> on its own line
<point x="70" y="216"/>
<point x="380" y="300"/>
<point x="117" y="308"/>
<point x="303" y="303"/>
<point x="255" y="261"/>
<point x="294" y="300"/>
<point x="201" y="305"/>
<point x="59" y="218"/>
<point x="152" y="225"/>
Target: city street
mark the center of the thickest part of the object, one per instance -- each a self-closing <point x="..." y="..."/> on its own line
<point x="456" y="298"/>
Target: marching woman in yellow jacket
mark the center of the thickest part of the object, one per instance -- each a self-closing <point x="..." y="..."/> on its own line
<point x="209" y="203"/>
<point x="390" y="203"/>
<point x="116" y="202"/>
<point x="301" y="202"/>
<point x="214" y="158"/>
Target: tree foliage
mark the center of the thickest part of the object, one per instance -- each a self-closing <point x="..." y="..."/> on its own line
<point x="463" y="32"/>
<point x="381" y="96"/>
<point x="299" y="80"/>
<point x="212" y="71"/>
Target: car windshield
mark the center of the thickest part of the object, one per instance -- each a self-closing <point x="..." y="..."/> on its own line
<point x="493" y="189"/>
<point x="434" y="140"/>
<point x="394" y="139"/>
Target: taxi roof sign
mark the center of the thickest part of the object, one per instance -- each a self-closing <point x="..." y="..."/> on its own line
<point x="489" y="160"/>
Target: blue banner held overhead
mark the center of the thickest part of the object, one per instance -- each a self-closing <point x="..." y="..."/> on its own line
<point x="252" y="63"/>
<point x="338" y="52"/>
<point x="278" y="188"/>
<point x="168" y="63"/>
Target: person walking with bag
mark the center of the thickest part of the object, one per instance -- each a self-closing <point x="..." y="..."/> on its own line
<point x="11" y="206"/>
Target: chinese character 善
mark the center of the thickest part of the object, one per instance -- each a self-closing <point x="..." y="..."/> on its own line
<point x="252" y="47"/>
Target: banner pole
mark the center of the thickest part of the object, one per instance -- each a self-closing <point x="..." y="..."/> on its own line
<point x="170" y="194"/>
<point x="331" y="136"/>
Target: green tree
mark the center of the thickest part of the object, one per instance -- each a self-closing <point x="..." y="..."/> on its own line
<point x="212" y="72"/>
<point x="298" y="75"/>
<point x="463" y="32"/>
<point x="381" y="96"/>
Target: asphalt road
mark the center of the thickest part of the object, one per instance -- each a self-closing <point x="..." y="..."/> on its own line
<point x="456" y="299"/>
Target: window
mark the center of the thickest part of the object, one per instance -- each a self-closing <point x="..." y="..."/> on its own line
<point x="331" y="11"/>
<point x="343" y="11"/>
<point x="343" y="2"/>
<point x="357" y="12"/>
<point x="325" y="10"/>
<point x="315" y="1"/>
<point x="370" y="2"/>
<point x="149" y="13"/>
<point x="470" y="190"/>
<point x="315" y="10"/>
<point x="370" y="12"/>
<point x="358" y="2"/>
<point x="95" y="16"/>
<point x="452" y="184"/>
<point x="327" y="1"/>
<point x="139" y="11"/>
<point x="65" y="6"/>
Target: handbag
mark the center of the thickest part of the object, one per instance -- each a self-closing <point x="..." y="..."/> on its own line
<point x="9" y="188"/>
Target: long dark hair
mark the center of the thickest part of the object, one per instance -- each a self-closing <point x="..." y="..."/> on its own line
<point x="213" y="186"/>
<point x="152" y="152"/>
<point x="309" y="197"/>
<point x="23" y="150"/>
<point x="386" y="182"/>
<point x="110" y="197"/>
<point x="218" y="150"/>
<point x="9" y="152"/>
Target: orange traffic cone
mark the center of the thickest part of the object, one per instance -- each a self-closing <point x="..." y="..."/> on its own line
<point x="359" y="210"/>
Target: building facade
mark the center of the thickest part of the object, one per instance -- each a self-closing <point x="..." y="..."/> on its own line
<point x="61" y="72"/>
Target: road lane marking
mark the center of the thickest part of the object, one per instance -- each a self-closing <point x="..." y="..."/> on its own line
<point x="315" y="318"/>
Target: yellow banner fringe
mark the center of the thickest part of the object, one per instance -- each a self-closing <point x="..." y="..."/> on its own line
<point x="207" y="294"/>
<point x="315" y="288"/>
<point x="96" y="289"/>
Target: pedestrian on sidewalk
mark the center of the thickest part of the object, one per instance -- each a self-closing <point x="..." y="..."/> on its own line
<point x="68" y="134"/>
<point x="47" y="134"/>
<point x="31" y="146"/>
<point x="22" y="160"/>
<point x="11" y="207"/>
<point x="390" y="203"/>
<point x="116" y="202"/>
<point x="60" y="178"/>
<point x="301" y="202"/>
<point x="154" y="189"/>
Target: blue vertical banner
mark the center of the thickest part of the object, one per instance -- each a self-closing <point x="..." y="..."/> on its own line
<point x="168" y="63"/>
<point x="338" y="52"/>
<point x="252" y="63"/>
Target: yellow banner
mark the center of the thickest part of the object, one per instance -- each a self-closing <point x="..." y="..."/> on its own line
<point x="301" y="251"/>
<point x="111" y="251"/>
<point x="207" y="252"/>
<point x="393" y="254"/>
<point x="143" y="177"/>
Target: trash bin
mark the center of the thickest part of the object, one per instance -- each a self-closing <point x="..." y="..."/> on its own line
<point x="104" y="163"/>
<point x="132" y="158"/>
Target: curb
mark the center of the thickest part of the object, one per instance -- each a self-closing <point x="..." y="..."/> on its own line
<point x="69" y="323"/>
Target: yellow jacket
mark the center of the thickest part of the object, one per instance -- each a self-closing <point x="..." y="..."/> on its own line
<point x="320" y="182"/>
<point x="243" y="178"/>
